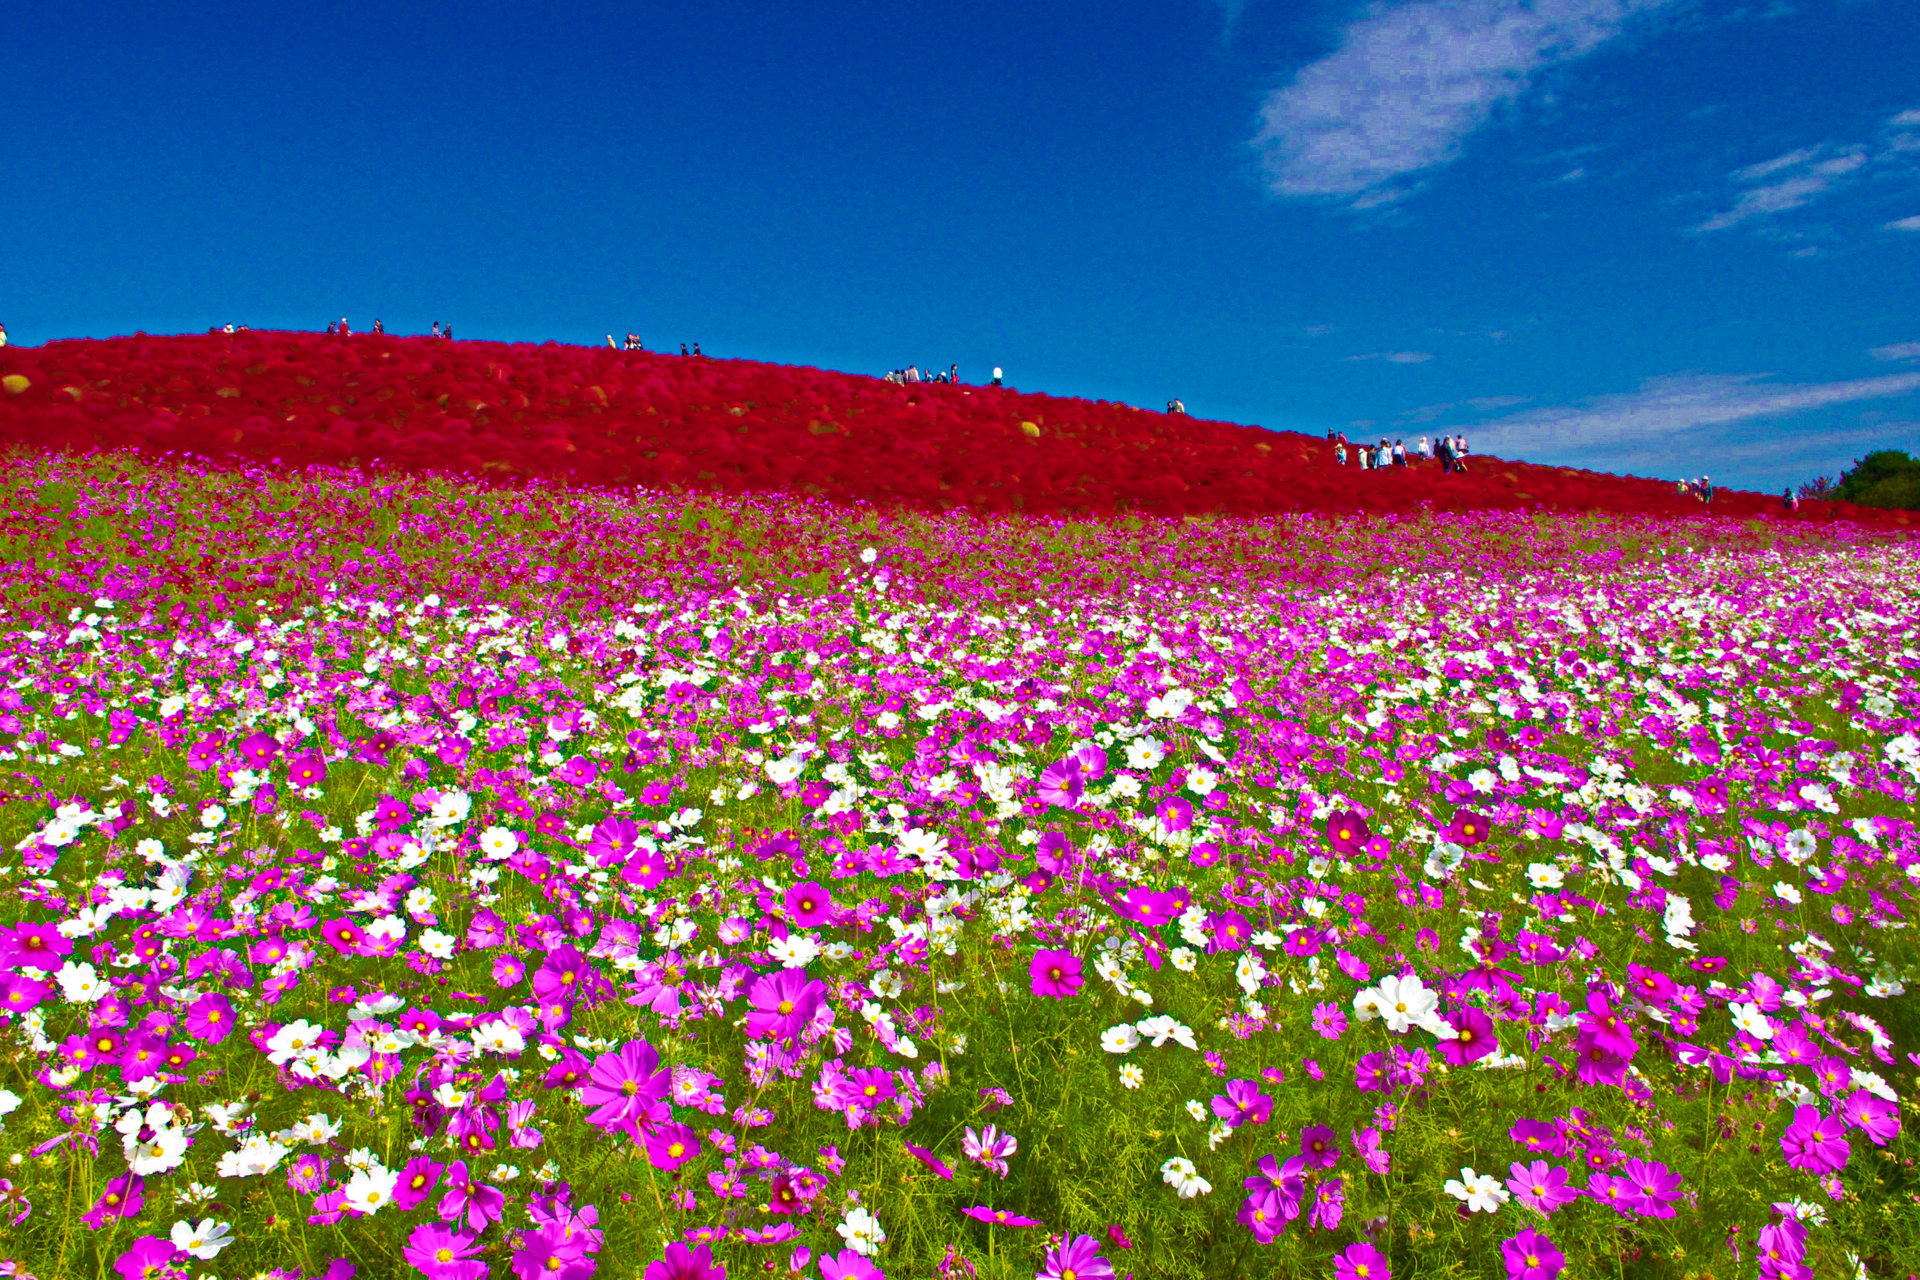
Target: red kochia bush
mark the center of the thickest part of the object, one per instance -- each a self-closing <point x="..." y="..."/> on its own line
<point x="602" y="417"/>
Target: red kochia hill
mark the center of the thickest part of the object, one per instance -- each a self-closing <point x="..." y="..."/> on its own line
<point x="602" y="417"/>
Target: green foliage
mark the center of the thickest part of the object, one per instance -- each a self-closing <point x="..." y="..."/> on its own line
<point x="1884" y="478"/>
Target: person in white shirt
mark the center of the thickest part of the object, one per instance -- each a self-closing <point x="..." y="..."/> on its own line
<point x="1426" y="449"/>
<point x="996" y="375"/>
<point x="3" y="335"/>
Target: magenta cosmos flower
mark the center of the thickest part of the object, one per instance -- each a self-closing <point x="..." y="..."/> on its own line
<point x="999" y="1217"/>
<point x="33" y="946"/>
<point x="1816" y="1143"/>
<point x="1361" y="1262"/>
<point x="1348" y="833"/>
<point x="1062" y="783"/>
<point x="848" y="1265"/>
<point x="1056" y="974"/>
<point x="150" y="1257"/>
<point x="1531" y="1256"/>
<point x="627" y="1088"/>
<point x="783" y="1004"/>
<point x="443" y="1254"/>
<point x="809" y="905"/>
<point x="682" y="1263"/>
<point x="1243" y="1103"/>
<point x="1473" y="1036"/>
<point x="1541" y="1186"/>
<point x="1076" y="1259"/>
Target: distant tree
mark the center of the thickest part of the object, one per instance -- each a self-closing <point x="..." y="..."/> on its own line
<point x="1818" y="489"/>
<point x="1884" y="478"/>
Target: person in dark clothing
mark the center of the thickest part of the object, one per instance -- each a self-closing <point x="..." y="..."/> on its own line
<point x="1445" y="451"/>
<point x="696" y="348"/>
<point x="683" y="348"/>
<point x="377" y="326"/>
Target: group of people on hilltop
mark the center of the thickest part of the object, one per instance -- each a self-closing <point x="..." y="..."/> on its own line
<point x="1451" y="450"/>
<point x="1701" y="489"/>
<point x="912" y="373"/>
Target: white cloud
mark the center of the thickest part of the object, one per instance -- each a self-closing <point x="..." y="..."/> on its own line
<point x="1803" y="176"/>
<point x="1898" y="351"/>
<point x="1397" y="357"/>
<point x="1666" y="406"/>
<point x="1410" y="82"/>
<point x="1904" y="224"/>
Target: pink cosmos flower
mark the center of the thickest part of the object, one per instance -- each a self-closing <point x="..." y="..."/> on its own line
<point x="1531" y="1256"/>
<point x="848" y="1265"/>
<point x="682" y="1263"/>
<point x="808" y="905"/>
<point x="1260" y="1214"/>
<point x="1361" y="1262"/>
<point x="1348" y="833"/>
<point x="989" y="1148"/>
<point x="1243" y="1103"/>
<point x="783" y="1004"/>
<point x="124" y="1197"/>
<point x="1061" y="783"/>
<point x="1076" y="1259"/>
<point x="628" y="1088"/>
<point x="417" y="1180"/>
<point x="442" y="1254"/>
<point x="930" y="1160"/>
<point x="344" y="936"/>
<point x="1875" y="1117"/>
<point x="478" y="1202"/>
<point x="1815" y="1143"/>
<point x="1055" y="974"/>
<point x="309" y="770"/>
<point x="33" y="946"/>
<point x="1541" y="1186"/>
<point x="146" y="1258"/>
<point x="1318" y="1148"/>
<point x="1655" y="1184"/>
<point x="1473" y="1036"/>
<point x="999" y="1217"/>
<point x="671" y="1145"/>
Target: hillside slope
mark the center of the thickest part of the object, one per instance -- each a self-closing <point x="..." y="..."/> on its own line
<point x="604" y="417"/>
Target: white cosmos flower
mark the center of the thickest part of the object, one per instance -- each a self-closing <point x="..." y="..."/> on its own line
<point x="80" y="982"/>
<point x="1184" y="959"/>
<point x="1545" y="875"/>
<point x="1120" y="1039"/>
<point x="369" y="1190"/>
<point x="1132" y="1076"/>
<point x="212" y="816"/>
<point x="795" y="951"/>
<point x="437" y="944"/>
<point x="862" y="1232"/>
<point x="499" y="1036"/>
<point x="205" y="1240"/>
<point x="294" y="1040"/>
<point x="1161" y="1028"/>
<point x="1145" y="753"/>
<point x="1481" y="1192"/>
<point x="498" y="842"/>
<point x="1180" y="1174"/>
<point x="1405" y="1001"/>
<point x="1748" y="1018"/>
<point x="452" y="808"/>
<point x="1786" y="892"/>
<point x="166" y="1150"/>
<point x="257" y="1155"/>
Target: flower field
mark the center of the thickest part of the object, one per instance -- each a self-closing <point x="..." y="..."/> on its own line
<point x="412" y="876"/>
<point x="512" y="413"/>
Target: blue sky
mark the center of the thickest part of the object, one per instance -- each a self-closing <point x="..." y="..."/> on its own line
<point x="1662" y="237"/>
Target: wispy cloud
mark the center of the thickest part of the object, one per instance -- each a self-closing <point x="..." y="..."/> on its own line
<point x="1808" y="174"/>
<point x="1669" y="406"/>
<point x="1904" y="224"/>
<point x="1410" y="83"/>
<point x="1897" y="351"/>
<point x="1397" y="357"/>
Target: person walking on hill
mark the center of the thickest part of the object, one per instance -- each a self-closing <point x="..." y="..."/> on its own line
<point x="1706" y="490"/>
<point x="996" y="376"/>
<point x="1175" y="407"/>
<point x="1339" y="455"/>
<point x="1444" y="447"/>
<point x="377" y="326"/>
<point x="3" y="335"/>
<point x="1399" y="453"/>
<point x="1459" y="453"/>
